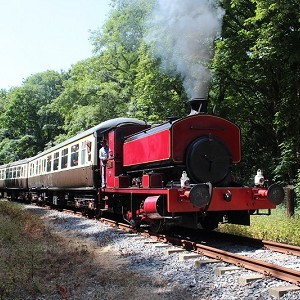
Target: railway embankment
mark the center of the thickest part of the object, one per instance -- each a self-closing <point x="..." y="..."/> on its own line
<point x="43" y="255"/>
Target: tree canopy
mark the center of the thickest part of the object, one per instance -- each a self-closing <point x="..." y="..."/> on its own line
<point x="255" y="82"/>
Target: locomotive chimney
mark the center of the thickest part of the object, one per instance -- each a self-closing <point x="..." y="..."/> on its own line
<point x="198" y="106"/>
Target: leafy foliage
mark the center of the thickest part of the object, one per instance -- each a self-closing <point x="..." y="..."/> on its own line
<point x="157" y="96"/>
<point x="28" y="123"/>
<point x="255" y="83"/>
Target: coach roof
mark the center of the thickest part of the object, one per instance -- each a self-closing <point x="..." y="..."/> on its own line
<point x="99" y="129"/>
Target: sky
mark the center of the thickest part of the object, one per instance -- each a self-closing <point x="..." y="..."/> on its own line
<point x="41" y="35"/>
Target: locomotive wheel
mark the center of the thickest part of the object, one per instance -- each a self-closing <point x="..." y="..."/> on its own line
<point x="135" y="224"/>
<point x="208" y="223"/>
<point x="157" y="226"/>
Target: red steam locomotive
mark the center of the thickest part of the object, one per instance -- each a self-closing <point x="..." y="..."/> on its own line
<point x="176" y="173"/>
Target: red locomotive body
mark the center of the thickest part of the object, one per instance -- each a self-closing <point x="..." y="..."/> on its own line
<point x="180" y="173"/>
<point x="169" y="142"/>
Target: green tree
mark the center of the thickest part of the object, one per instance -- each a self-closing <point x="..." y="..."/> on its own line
<point x="256" y="82"/>
<point x="118" y="45"/>
<point x="157" y="96"/>
<point x="27" y="123"/>
<point x="89" y="97"/>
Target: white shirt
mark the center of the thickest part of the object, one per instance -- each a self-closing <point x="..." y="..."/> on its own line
<point x="104" y="153"/>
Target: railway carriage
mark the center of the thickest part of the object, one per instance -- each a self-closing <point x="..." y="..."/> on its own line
<point x="68" y="173"/>
<point x="14" y="179"/>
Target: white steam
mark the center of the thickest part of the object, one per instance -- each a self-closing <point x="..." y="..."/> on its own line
<point x="183" y="32"/>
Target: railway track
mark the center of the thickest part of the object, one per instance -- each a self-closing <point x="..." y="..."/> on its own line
<point x="269" y="245"/>
<point x="256" y="265"/>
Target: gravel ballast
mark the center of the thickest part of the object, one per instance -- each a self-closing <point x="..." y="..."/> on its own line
<point x="175" y="279"/>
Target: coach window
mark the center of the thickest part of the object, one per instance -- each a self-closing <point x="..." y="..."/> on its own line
<point x="89" y="150"/>
<point x="36" y="172"/>
<point x="32" y="169"/>
<point x="14" y="172"/>
<point x="83" y="152"/>
<point x="74" y="155"/>
<point x="64" y="158"/>
<point x="40" y="167"/>
<point x="49" y="157"/>
<point x="86" y="152"/>
<point x="18" y="172"/>
<point x="55" y="161"/>
<point x="10" y="173"/>
<point x="43" y="165"/>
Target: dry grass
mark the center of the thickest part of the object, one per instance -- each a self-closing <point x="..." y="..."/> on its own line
<point x="36" y="263"/>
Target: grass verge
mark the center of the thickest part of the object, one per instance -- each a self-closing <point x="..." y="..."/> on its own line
<point x="37" y="263"/>
<point x="276" y="227"/>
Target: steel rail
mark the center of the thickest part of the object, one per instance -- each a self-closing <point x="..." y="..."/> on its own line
<point x="117" y="224"/>
<point x="269" y="245"/>
<point x="283" y="248"/>
<point x="259" y="266"/>
<point x="265" y="268"/>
